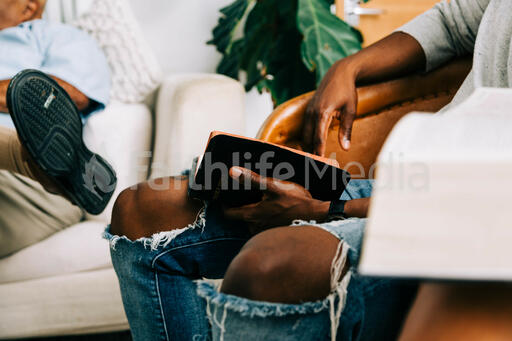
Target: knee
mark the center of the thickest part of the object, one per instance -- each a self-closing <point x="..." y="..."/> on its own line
<point x="283" y="265"/>
<point x="122" y="206"/>
<point x="146" y="209"/>
<point x="125" y="211"/>
<point x="257" y="275"/>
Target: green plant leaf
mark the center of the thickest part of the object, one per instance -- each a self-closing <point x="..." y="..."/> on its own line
<point x="273" y="52"/>
<point x="223" y="33"/>
<point x="230" y="62"/>
<point x="224" y="37"/>
<point x="327" y="38"/>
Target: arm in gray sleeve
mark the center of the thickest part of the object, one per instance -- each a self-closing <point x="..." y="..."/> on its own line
<point x="447" y="30"/>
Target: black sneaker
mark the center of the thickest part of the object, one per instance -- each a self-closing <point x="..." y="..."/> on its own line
<point x="50" y="128"/>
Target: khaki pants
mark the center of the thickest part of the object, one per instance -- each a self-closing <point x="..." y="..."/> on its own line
<point x="29" y="214"/>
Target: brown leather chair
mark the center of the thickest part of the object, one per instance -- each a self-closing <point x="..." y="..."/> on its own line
<point x="379" y="107"/>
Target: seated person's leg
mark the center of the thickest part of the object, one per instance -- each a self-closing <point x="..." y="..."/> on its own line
<point x="29" y="213"/>
<point x="470" y="311"/>
<point x="169" y="242"/>
<point x="15" y="159"/>
<point x="49" y="126"/>
<point x="290" y="264"/>
<point x="12" y="157"/>
<point x="291" y="283"/>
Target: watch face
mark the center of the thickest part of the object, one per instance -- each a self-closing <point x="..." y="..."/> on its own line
<point x="337" y="209"/>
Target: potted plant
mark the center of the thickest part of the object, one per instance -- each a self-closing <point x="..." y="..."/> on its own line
<point x="281" y="46"/>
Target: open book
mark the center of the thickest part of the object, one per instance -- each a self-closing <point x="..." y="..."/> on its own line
<point x="321" y="176"/>
<point x="442" y="207"/>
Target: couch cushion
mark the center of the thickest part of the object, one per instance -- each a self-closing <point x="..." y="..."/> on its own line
<point x="189" y="107"/>
<point x="81" y="303"/>
<point x="76" y="249"/>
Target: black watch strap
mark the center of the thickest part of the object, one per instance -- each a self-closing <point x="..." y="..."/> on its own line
<point x="337" y="210"/>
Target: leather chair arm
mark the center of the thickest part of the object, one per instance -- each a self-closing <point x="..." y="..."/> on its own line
<point x="285" y="121"/>
<point x="379" y="107"/>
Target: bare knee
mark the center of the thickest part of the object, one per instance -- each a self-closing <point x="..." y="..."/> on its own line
<point x="283" y="265"/>
<point x="125" y="213"/>
<point x="147" y="209"/>
<point x="254" y="274"/>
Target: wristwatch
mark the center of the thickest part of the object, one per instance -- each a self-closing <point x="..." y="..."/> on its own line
<point x="337" y="210"/>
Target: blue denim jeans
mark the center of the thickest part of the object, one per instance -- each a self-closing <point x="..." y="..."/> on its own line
<point x="166" y="297"/>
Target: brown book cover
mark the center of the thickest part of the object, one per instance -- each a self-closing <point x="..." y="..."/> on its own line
<point x="210" y="178"/>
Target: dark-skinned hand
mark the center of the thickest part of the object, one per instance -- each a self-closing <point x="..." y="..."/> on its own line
<point x="282" y="203"/>
<point x="336" y="97"/>
<point x="396" y="55"/>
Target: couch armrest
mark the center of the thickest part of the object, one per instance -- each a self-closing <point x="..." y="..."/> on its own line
<point x="188" y="108"/>
<point x="379" y="107"/>
<point x="122" y="135"/>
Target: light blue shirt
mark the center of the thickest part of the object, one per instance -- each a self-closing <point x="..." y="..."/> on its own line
<point x="59" y="50"/>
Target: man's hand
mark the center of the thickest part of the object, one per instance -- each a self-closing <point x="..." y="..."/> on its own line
<point x="282" y="203"/>
<point x="81" y="101"/>
<point x="336" y="97"/>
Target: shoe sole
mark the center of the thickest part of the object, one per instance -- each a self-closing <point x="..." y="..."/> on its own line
<point x="50" y="128"/>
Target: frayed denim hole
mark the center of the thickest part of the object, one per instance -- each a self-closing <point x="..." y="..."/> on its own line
<point x="352" y="252"/>
<point x="161" y="239"/>
<point x="113" y="239"/>
<point x="334" y="302"/>
<point x="246" y="307"/>
<point x="339" y="287"/>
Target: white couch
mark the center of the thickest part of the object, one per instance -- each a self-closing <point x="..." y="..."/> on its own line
<point x="66" y="284"/>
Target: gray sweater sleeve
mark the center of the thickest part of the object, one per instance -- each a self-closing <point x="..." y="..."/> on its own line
<point x="447" y="30"/>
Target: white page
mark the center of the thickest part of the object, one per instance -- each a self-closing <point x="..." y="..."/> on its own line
<point x="459" y="224"/>
<point x="470" y="131"/>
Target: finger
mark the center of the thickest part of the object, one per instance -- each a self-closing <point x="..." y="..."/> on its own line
<point x="242" y="213"/>
<point x="308" y="127"/>
<point x="321" y="130"/>
<point x="251" y="180"/>
<point x="347" y="121"/>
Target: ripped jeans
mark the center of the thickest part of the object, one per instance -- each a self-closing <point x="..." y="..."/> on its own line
<point x="166" y="297"/>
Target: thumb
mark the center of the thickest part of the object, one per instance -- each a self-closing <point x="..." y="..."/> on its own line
<point x="251" y="180"/>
